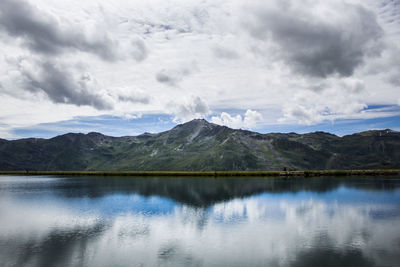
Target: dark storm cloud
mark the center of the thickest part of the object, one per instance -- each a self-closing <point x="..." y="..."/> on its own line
<point x="61" y="86"/>
<point x="43" y="33"/>
<point x="318" y="46"/>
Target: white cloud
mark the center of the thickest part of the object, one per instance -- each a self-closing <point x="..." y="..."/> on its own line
<point x="317" y="38"/>
<point x="140" y="50"/>
<point x="61" y="83"/>
<point x="188" y="108"/>
<point x="332" y="100"/>
<point x="160" y="52"/>
<point x="250" y="119"/>
<point x="285" y="226"/>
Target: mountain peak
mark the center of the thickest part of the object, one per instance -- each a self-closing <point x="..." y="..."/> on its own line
<point x="198" y="121"/>
<point x="193" y="129"/>
<point x="95" y="135"/>
<point x="201" y="145"/>
<point x="195" y="123"/>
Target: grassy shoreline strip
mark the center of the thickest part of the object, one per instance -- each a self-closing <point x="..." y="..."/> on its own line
<point x="305" y="173"/>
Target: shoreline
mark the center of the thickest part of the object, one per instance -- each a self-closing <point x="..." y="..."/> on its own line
<point x="303" y="173"/>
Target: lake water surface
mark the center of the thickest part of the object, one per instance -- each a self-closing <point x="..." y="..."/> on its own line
<point x="95" y="221"/>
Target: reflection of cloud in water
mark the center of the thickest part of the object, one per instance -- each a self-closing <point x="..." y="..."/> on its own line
<point x="255" y="230"/>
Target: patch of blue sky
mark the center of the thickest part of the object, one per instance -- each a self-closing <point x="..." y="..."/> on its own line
<point x="109" y="205"/>
<point x="108" y="125"/>
<point x="338" y="127"/>
<point x="136" y="204"/>
<point x="384" y="117"/>
<point x="377" y="204"/>
<point x="342" y="195"/>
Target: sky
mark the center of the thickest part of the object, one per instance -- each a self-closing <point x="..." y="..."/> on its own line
<point x="127" y="67"/>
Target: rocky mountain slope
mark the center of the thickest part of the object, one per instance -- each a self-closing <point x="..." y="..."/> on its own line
<point x="199" y="145"/>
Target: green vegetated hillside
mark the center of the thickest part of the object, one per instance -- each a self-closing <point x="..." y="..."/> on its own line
<point x="199" y="145"/>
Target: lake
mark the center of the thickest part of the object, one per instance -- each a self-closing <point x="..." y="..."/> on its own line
<point x="107" y="221"/>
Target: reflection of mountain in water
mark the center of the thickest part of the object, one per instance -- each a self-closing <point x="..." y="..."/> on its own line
<point x="207" y="191"/>
<point x="60" y="222"/>
<point x="74" y="246"/>
<point x="58" y="246"/>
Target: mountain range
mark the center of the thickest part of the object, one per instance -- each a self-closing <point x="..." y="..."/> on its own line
<point x="200" y="145"/>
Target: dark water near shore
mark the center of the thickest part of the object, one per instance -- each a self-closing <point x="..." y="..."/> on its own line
<point x="60" y="221"/>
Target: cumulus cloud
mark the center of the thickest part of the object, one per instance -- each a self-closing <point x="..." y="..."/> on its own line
<point x="173" y="76"/>
<point x="225" y="53"/>
<point x="43" y="33"/>
<point x="61" y="83"/>
<point x="394" y="79"/>
<point x="140" y="51"/>
<point x="188" y="109"/>
<point x="316" y="38"/>
<point x="337" y="99"/>
<point x="133" y="96"/>
<point x="388" y="65"/>
<point x="250" y="119"/>
<point x="168" y="77"/>
<point x="284" y="55"/>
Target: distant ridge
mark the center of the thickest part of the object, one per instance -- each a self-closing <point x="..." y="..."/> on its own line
<point x="202" y="146"/>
